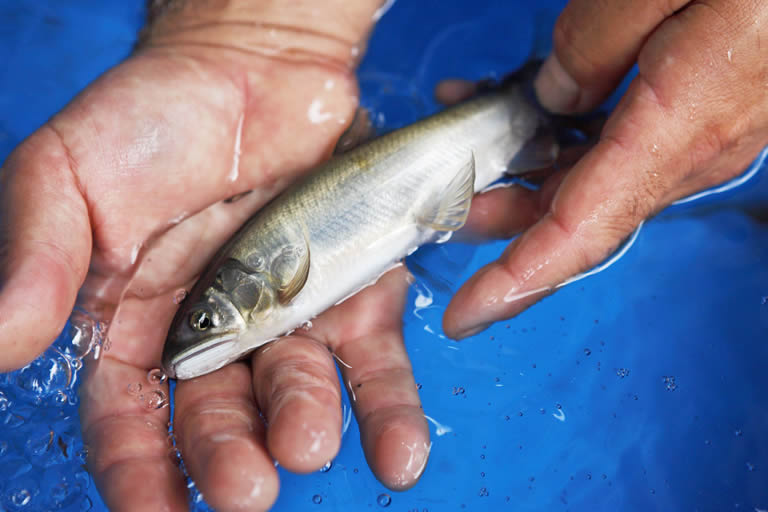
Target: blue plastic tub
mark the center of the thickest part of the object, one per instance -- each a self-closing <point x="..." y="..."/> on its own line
<point x="640" y="388"/>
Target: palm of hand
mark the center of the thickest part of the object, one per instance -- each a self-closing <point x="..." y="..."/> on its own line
<point x="141" y="161"/>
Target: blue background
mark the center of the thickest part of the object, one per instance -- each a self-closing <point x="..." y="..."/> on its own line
<point x="642" y="388"/>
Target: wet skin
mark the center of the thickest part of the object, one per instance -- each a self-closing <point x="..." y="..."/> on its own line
<point x="153" y="142"/>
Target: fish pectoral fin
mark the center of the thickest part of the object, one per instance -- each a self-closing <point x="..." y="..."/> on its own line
<point x="450" y="211"/>
<point x="291" y="269"/>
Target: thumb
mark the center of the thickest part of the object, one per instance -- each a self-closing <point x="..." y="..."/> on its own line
<point x="594" y="47"/>
<point x="46" y="245"/>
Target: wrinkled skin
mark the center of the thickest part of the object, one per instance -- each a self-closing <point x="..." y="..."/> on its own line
<point x="695" y="116"/>
<point x="152" y="142"/>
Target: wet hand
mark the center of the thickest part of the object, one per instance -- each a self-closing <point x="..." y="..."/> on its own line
<point x="134" y="173"/>
<point x="696" y="115"/>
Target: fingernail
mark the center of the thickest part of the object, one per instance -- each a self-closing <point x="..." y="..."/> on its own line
<point x="471" y="331"/>
<point x="557" y="91"/>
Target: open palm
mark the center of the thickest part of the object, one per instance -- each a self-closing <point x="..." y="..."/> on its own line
<point x="121" y="196"/>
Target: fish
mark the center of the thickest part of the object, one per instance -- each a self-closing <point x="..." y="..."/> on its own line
<point x="350" y="220"/>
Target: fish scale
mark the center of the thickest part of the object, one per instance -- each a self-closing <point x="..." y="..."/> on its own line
<point x="337" y="230"/>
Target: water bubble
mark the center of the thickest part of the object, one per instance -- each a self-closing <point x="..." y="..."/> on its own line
<point x="77" y="364"/>
<point x="458" y="390"/>
<point x="738" y="433"/>
<point x="384" y="500"/>
<point x="750" y="466"/>
<point x="622" y="372"/>
<point x="587" y="352"/>
<point x="38" y="445"/>
<point x="84" y="332"/>
<point x="14" y="420"/>
<point x="4" y="402"/>
<point x="317" y="499"/>
<point x="134" y="388"/>
<point x="21" y="497"/>
<point x="157" y="399"/>
<point x="179" y="296"/>
<point x="483" y="492"/>
<point x="156" y="376"/>
<point x="326" y="467"/>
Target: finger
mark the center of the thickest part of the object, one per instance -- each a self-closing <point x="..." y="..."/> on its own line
<point x="504" y="212"/>
<point x="46" y="243"/>
<point x="366" y="334"/>
<point x="128" y="448"/>
<point x="298" y="391"/>
<point x="594" y="47"/>
<point x="221" y="439"/>
<point x="449" y="92"/>
<point x="632" y="171"/>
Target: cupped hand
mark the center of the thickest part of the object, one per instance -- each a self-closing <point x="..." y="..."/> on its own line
<point x="695" y="115"/>
<point x="134" y="173"/>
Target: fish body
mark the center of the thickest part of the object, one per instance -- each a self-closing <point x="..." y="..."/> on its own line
<point x="349" y="221"/>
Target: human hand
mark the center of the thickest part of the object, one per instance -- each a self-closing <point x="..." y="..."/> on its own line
<point x="133" y="172"/>
<point x="695" y="116"/>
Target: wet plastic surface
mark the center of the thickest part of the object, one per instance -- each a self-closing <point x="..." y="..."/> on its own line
<point x="641" y="388"/>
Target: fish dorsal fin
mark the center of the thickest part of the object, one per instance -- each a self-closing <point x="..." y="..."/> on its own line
<point x="291" y="269"/>
<point x="450" y="211"/>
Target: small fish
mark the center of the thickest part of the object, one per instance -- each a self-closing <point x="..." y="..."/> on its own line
<point x="351" y="220"/>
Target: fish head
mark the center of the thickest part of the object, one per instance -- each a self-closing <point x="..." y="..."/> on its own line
<point x="206" y="331"/>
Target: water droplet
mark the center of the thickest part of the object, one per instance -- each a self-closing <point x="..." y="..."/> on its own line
<point x="179" y="296"/>
<point x="84" y="333"/>
<point x="483" y="492"/>
<point x="61" y="397"/>
<point x="156" y="399"/>
<point x="4" y="402"/>
<point x="86" y="504"/>
<point x="21" y="497"/>
<point x="76" y="364"/>
<point x="134" y="388"/>
<point x="750" y="466"/>
<point x="738" y="433"/>
<point x="587" y="352"/>
<point x="669" y="382"/>
<point x="384" y="500"/>
<point x="317" y="499"/>
<point x="326" y="467"/>
<point x="156" y="376"/>
<point x="622" y="372"/>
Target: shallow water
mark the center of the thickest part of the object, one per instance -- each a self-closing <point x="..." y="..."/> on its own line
<point x="640" y="388"/>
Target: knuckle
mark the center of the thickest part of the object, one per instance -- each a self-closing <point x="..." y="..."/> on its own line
<point x="568" y="40"/>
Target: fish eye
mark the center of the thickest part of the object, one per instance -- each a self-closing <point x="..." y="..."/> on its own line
<point x="200" y="320"/>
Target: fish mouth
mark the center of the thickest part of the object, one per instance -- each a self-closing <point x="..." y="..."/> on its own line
<point x="202" y="359"/>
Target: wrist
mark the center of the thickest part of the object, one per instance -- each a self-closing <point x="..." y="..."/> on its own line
<point x="329" y="31"/>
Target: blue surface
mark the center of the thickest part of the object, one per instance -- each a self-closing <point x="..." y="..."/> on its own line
<point x="642" y="388"/>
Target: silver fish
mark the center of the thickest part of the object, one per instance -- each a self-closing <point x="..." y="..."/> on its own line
<point x="348" y="222"/>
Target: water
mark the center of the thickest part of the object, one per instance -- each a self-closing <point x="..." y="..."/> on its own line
<point x="650" y="375"/>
